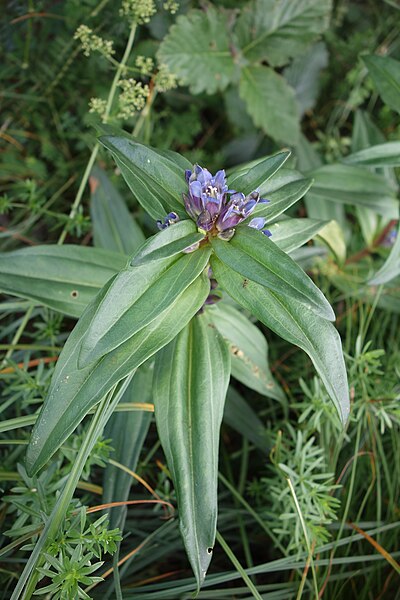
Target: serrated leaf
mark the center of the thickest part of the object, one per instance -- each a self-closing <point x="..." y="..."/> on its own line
<point x="249" y="177"/>
<point x="113" y="226"/>
<point x="350" y="184"/>
<point x="258" y="259"/>
<point x="381" y="155"/>
<point x="168" y="242"/>
<point x="64" y="278"/>
<point x="74" y="391"/>
<point x="136" y="297"/>
<point x="277" y="30"/>
<point x="385" y="73"/>
<point x="270" y="102"/>
<point x="156" y="181"/>
<point x="197" y="49"/>
<point x="190" y="383"/>
<point x="248" y="349"/>
<point x="290" y="234"/>
<point x="288" y="319"/>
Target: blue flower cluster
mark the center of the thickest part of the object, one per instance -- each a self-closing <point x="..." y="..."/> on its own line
<point x="217" y="209"/>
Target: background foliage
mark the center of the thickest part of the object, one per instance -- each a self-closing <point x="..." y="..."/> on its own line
<point x="305" y="508"/>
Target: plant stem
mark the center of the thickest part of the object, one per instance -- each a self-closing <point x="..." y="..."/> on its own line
<point x="93" y="156"/>
<point x="238" y="567"/>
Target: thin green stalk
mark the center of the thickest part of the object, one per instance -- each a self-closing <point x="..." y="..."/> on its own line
<point x="18" y="334"/>
<point x="93" y="156"/>
<point x="238" y="567"/>
<point x="309" y="550"/>
<point x="29" y="577"/>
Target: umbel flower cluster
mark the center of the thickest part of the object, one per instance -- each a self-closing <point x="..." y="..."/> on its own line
<point x="216" y="209"/>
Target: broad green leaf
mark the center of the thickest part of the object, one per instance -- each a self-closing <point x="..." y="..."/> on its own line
<point x="249" y="177"/>
<point x="354" y="185"/>
<point x="391" y="267"/>
<point x="168" y="242"/>
<point x="156" y="181"/>
<point x="382" y="155"/>
<point x="127" y="432"/>
<point x="270" y="102"/>
<point x="385" y="73"/>
<point x="277" y="30"/>
<point x="248" y="349"/>
<point x="304" y="75"/>
<point x="113" y="226"/>
<point x="74" y="391"/>
<point x="239" y="415"/>
<point x="198" y="50"/>
<point x="136" y="297"/>
<point x="258" y="259"/>
<point x="190" y="383"/>
<point x="283" y="197"/>
<point x="290" y="234"/>
<point x="65" y="278"/>
<point x="292" y="322"/>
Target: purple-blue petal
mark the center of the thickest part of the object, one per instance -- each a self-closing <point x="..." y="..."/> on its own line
<point x="257" y="223"/>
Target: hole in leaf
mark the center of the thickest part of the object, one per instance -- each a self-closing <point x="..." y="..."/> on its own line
<point x="74" y="294"/>
<point x="209" y="550"/>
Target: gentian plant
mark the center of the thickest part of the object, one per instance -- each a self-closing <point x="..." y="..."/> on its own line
<point x="159" y="305"/>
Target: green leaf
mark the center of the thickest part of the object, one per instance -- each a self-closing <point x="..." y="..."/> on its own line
<point x="156" y="181"/>
<point x="65" y="278"/>
<point x="282" y="191"/>
<point x="249" y="177"/>
<point x="304" y="75"/>
<point x="290" y="234"/>
<point x="74" y="391"/>
<point x="332" y="236"/>
<point x="197" y="49"/>
<point x="239" y="415"/>
<point x="350" y="184"/>
<point x="168" y="242"/>
<point x="287" y="318"/>
<point x="391" y="267"/>
<point x="382" y="155"/>
<point x="385" y="73"/>
<point x="248" y="348"/>
<point x="113" y="226"/>
<point x="270" y="102"/>
<point x="258" y="259"/>
<point x="190" y="383"/>
<point x="127" y="432"/>
<point x="277" y="30"/>
<point x="136" y="297"/>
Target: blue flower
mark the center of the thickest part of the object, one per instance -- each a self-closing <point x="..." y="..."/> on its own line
<point x="213" y="206"/>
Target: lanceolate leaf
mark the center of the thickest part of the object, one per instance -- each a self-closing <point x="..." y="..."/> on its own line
<point x="197" y="49"/>
<point x="270" y="102"/>
<point x="74" y="391"/>
<point x="136" y="297"/>
<point x="385" y="73"/>
<point x="276" y="30"/>
<point x="391" y="268"/>
<point x="239" y="415"/>
<point x="247" y="178"/>
<point x="381" y="155"/>
<point x="292" y="322"/>
<point x="350" y="184"/>
<point x="65" y="278"/>
<point x="113" y="226"/>
<point x="190" y="383"/>
<point x="281" y="198"/>
<point x="290" y="234"/>
<point x="258" y="259"/>
<point x="156" y="181"/>
<point x="168" y="242"/>
<point x="248" y="348"/>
